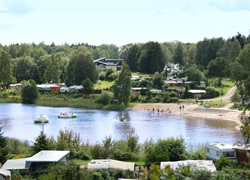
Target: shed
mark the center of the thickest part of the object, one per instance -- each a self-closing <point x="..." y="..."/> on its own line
<point x="15" y="164"/>
<point x="38" y="161"/>
<point x="110" y="164"/>
<point x="5" y="174"/>
<point x="55" y="89"/>
<point x="16" y="86"/>
<point x="207" y="165"/>
<point x="243" y="154"/>
<point x="196" y="93"/>
<point x="135" y="90"/>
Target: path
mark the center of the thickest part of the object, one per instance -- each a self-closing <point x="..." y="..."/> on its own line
<point x="226" y="98"/>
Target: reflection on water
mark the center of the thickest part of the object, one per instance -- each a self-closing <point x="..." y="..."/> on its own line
<point x="94" y="125"/>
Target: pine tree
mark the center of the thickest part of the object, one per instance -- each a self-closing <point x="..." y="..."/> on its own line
<point x="41" y="143"/>
<point x="3" y="148"/>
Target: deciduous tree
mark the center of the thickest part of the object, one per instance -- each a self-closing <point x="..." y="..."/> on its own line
<point x="80" y="67"/>
<point x="122" y="85"/>
<point x="5" y="68"/>
<point x="151" y="58"/>
<point x="29" y="92"/>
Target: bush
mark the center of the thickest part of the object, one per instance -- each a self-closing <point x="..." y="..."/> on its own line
<point x="236" y="97"/>
<point x="30" y="93"/>
<point x="104" y="99"/>
<point x="97" y="152"/>
<point x="95" y="176"/>
<point x="145" y="83"/>
<point x="222" y="163"/>
<point x="102" y="76"/>
<point x="121" y="152"/>
<point x="165" y="97"/>
<point x="4" y="94"/>
<point x="231" y="173"/>
<point x="156" y="99"/>
<point x="172" y="100"/>
<point x="119" y="173"/>
<point x="134" y="97"/>
<point x="115" y="107"/>
<point x="173" y="94"/>
<point x="135" y="84"/>
<point x="211" y="92"/>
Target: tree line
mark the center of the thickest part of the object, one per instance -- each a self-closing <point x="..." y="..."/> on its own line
<point x="73" y="63"/>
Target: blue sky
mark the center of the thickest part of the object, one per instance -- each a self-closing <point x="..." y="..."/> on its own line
<point x="121" y="21"/>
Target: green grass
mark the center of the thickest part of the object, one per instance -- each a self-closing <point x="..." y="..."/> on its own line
<point x="68" y="102"/>
<point x="81" y="162"/>
<point x="103" y="84"/>
<point x="141" y="75"/>
<point x="226" y="85"/>
<point x="115" y="107"/>
<point x="217" y="104"/>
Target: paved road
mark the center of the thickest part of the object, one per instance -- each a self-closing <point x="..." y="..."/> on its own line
<point x="226" y="98"/>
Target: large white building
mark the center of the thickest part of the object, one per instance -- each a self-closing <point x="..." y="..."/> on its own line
<point x="105" y="64"/>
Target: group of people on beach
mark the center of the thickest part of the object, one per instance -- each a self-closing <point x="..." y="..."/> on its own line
<point x="181" y="107"/>
<point x="158" y="110"/>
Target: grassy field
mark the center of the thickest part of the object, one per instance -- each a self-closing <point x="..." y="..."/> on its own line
<point x="103" y="84"/>
<point x="141" y="75"/>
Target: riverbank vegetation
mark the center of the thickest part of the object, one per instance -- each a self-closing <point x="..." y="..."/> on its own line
<point x="149" y="154"/>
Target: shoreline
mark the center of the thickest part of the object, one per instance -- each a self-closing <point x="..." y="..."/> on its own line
<point x="192" y="110"/>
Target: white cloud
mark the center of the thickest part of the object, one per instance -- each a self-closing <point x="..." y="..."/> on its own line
<point x="230" y="5"/>
<point x="14" y="7"/>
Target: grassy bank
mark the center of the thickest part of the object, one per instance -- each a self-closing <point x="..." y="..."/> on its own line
<point x="63" y="100"/>
<point x="217" y="104"/>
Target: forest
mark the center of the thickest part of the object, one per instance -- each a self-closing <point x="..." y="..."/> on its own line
<point x="73" y="63"/>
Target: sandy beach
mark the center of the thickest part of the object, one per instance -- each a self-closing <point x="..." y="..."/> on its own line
<point x="193" y="110"/>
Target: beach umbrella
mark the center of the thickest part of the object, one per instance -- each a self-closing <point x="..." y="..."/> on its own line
<point x="41" y="118"/>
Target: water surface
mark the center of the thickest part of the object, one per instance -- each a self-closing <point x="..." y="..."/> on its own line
<point x="94" y="125"/>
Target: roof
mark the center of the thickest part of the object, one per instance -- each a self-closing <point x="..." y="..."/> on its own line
<point x="223" y="146"/>
<point x="243" y="147"/>
<point x="196" y="91"/>
<point x="110" y="164"/>
<point x="103" y="60"/>
<point x="138" y="88"/>
<point x="195" y="164"/>
<point x="76" y="87"/>
<point x="5" y="172"/>
<point x="47" y="86"/>
<point x="155" y="90"/>
<point x="13" y="164"/>
<point x="48" y="156"/>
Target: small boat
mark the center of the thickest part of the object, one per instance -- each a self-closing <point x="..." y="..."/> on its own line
<point x="67" y="115"/>
<point x="41" y="118"/>
<point x="121" y="118"/>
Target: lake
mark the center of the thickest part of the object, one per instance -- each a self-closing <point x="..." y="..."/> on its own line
<point x="94" y="125"/>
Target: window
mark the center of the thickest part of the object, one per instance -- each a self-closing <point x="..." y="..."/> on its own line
<point x="217" y="153"/>
<point x="228" y="154"/>
<point x="208" y="150"/>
